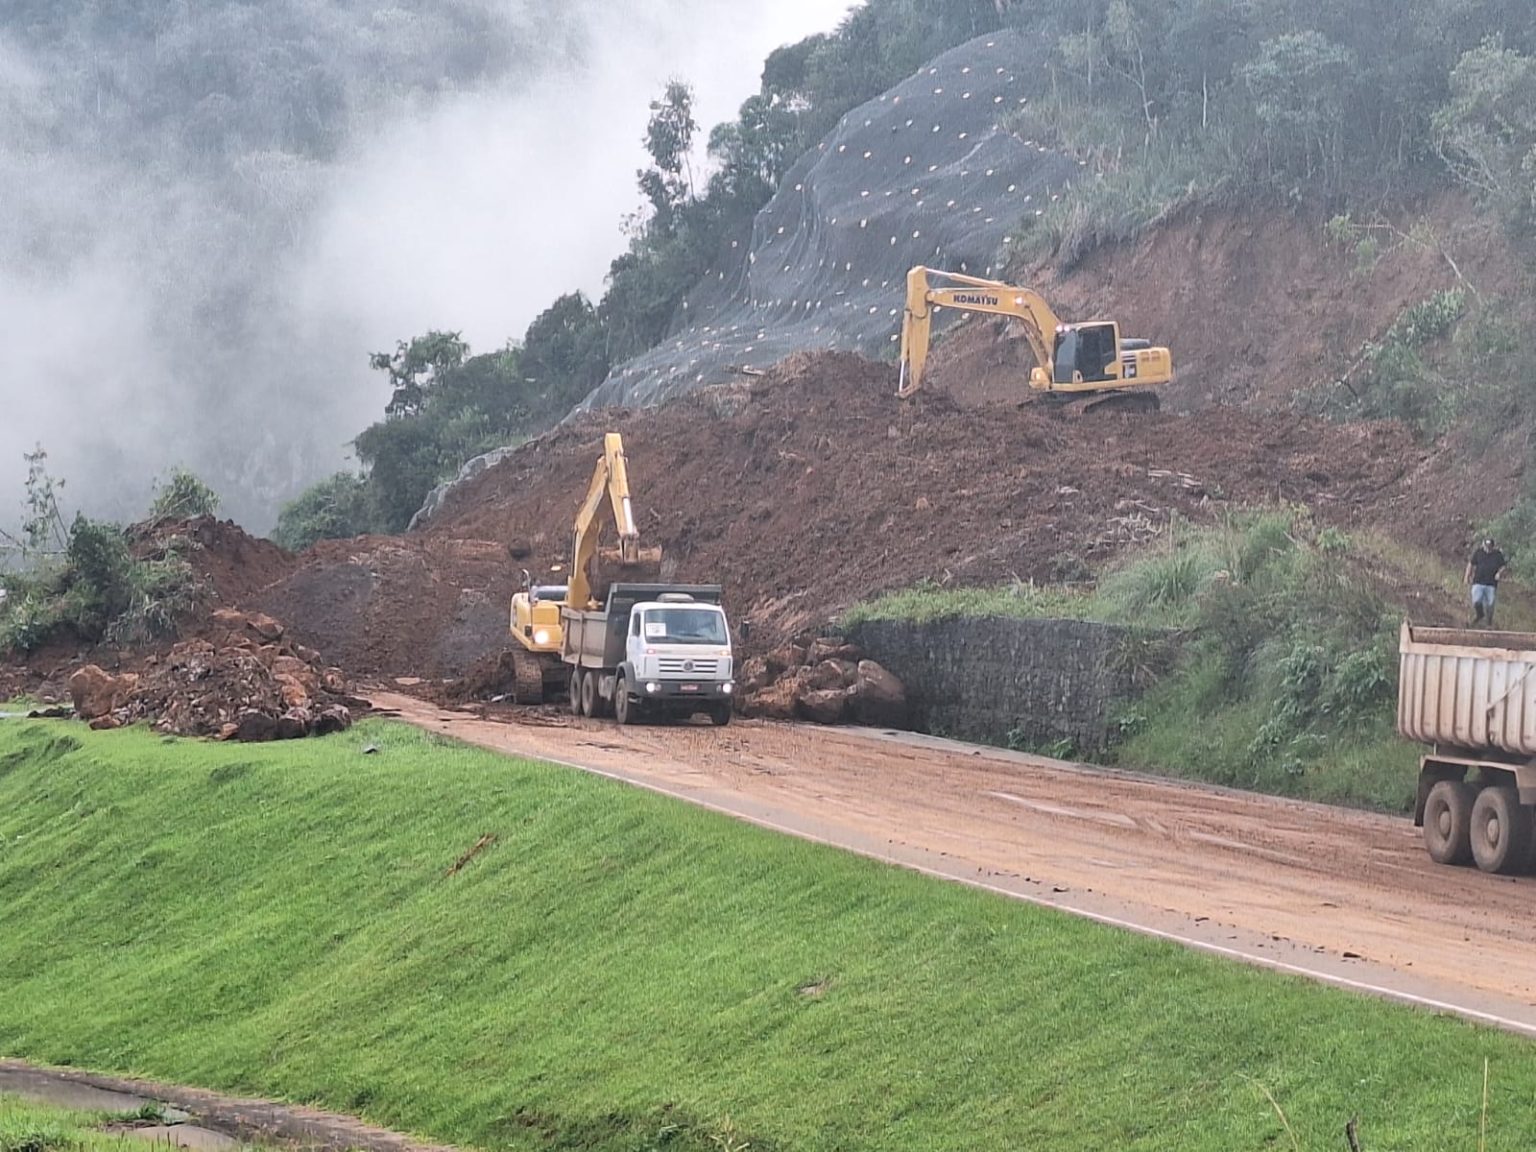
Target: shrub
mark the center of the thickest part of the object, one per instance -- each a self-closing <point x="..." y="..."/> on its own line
<point x="182" y="497"/>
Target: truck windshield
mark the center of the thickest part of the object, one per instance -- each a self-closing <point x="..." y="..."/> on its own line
<point x="685" y="626"/>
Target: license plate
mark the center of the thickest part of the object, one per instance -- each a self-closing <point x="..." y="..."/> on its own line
<point x="688" y="688"/>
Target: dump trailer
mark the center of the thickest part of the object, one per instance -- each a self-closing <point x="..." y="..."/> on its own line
<point x="1471" y="697"/>
<point x="653" y="650"/>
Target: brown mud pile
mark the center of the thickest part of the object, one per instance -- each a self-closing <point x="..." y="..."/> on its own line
<point x="241" y="679"/>
<point x="813" y="487"/>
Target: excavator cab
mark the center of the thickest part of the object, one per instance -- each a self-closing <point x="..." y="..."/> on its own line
<point x="1086" y="353"/>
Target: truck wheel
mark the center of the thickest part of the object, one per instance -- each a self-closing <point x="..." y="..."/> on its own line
<point x="625" y="710"/>
<point x="589" y="694"/>
<point x="1448" y="822"/>
<point x="1501" y="830"/>
<point x="577" y="677"/>
<point x="720" y="714"/>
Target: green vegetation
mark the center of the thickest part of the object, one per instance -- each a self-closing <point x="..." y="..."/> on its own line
<point x="1288" y="655"/>
<point x="619" y="971"/>
<point x="183" y="497"/>
<point x="1180" y="101"/>
<point x="87" y="581"/>
<point x="26" y="1126"/>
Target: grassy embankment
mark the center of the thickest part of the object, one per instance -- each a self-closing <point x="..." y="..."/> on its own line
<point x="620" y="971"/>
<point x="1289" y="657"/>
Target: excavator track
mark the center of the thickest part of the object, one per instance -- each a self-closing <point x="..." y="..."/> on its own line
<point x="527" y="678"/>
<point x="1072" y="405"/>
<point x="1136" y="403"/>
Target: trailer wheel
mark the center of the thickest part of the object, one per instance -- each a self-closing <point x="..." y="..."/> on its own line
<point x="1448" y="822"/>
<point x="625" y="711"/>
<point x="589" y="694"/>
<point x="1501" y="830"/>
<point x="577" y="676"/>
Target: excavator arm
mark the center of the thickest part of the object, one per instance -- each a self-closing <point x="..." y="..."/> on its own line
<point x="971" y="294"/>
<point x="610" y="479"/>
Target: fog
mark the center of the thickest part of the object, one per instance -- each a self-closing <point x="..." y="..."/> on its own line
<point x="194" y="278"/>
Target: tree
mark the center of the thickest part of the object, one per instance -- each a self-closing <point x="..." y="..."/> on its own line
<point x="1486" y="131"/>
<point x="414" y="367"/>
<point x="334" y="509"/>
<point x="1300" y="87"/>
<point x="563" y="355"/>
<point x="668" y="185"/>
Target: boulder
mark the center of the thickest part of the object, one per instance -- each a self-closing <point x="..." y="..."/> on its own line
<point x="336" y="718"/>
<point x="753" y="674"/>
<point x="334" y="681"/>
<point x="877" y="697"/>
<point x="255" y="727"/>
<point x="826" y="675"/>
<point x="781" y="660"/>
<point x="93" y="689"/>
<point x="823" y="706"/>
<point x="264" y="626"/>
<point x="831" y="648"/>
<point x="776" y="702"/>
<point x="294" y="694"/>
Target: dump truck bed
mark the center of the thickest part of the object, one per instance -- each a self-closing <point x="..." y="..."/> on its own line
<point x="1471" y="690"/>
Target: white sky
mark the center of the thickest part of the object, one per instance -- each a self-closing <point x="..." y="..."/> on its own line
<point x="477" y="216"/>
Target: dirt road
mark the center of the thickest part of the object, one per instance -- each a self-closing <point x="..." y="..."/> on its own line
<point x="1346" y="897"/>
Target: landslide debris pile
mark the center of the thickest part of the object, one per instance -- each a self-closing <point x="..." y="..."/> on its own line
<point x="812" y="488"/>
<point x="825" y="680"/>
<point x="242" y="679"/>
<point x="924" y="174"/>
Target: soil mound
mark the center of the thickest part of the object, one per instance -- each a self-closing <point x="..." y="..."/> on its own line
<point x="243" y="679"/>
<point x="812" y="487"/>
<point x="413" y="605"/>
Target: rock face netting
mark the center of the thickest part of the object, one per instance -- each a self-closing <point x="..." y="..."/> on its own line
<point x="920" y="175"/>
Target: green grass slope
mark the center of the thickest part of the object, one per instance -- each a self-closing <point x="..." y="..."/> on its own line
<point x="620" y="971"/>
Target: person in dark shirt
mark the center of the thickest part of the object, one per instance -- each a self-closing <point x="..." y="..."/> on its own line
<point x="1483" y="572"/>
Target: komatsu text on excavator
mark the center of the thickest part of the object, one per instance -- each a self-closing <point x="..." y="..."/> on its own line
<point x="1089" y="362"/>
<point x="537" y="625"/>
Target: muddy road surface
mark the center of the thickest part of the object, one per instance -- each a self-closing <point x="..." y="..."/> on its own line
<point x="1346" y="897"/>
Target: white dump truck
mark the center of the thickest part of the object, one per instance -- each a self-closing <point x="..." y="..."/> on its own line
<point x="659" y="650"/>
<point x="1471" y="697"/>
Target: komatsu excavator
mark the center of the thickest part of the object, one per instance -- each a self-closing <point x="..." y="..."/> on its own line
<point x="536" y="621"/>
<point x="1088" y="362"/>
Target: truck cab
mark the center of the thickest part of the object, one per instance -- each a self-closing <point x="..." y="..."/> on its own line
<point x="654" y="650"/>
<point x="680" y="652"/>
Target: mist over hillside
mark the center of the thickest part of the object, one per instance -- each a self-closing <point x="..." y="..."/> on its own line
<point x="214" y="211"/>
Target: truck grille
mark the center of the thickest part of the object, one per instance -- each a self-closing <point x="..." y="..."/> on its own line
<point x="687" y="666"/>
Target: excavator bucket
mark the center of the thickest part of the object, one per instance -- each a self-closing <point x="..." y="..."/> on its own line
<point x="608" y="568"/>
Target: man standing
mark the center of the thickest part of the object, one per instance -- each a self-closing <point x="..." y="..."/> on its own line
<point x="1483" y="572"/>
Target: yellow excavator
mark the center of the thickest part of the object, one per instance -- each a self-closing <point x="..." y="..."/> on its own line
<point x="537" y="669"/>
<point x="1087" y="362"/>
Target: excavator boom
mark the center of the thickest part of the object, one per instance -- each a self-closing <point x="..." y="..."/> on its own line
<point x="1071" y="359"/>
<point x="611" y="479"/>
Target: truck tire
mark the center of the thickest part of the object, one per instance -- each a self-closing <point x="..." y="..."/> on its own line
<point x="625" y="710"/>
<point x="589" y="694"/>
<point x="1501" y="830"/>
<point x="577" y="676"/>
<point x="1448" y="822"/>
<point x="720" y="714"/>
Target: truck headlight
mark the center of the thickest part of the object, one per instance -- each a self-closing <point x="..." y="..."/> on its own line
<point x="726" y="687"/>
<point x="541" y="636"/>
<point x="653" y="687"/>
